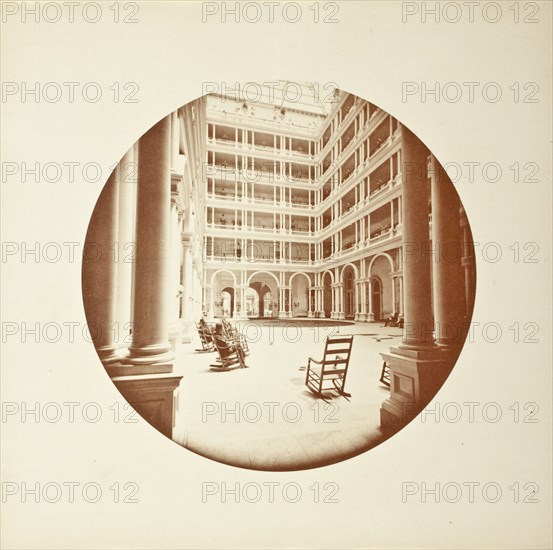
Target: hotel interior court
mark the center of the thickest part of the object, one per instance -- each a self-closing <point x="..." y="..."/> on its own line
<point x="295" y="277"/>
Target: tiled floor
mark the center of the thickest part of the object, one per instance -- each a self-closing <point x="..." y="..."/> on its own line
<point x="264" y="417"/>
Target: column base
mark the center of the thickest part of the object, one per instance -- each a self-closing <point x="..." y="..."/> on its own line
<point x="370" y="317"/>
<point x="109" y="354"/>
<point x="362" y="317"/>
<point x="282" y="315"/>
<point x="341" y="316"/>
<point x="311" y="315"/>
<point x="152" y="397"/>
<point x="146" y="355"/>
<point x="415" y="378"/>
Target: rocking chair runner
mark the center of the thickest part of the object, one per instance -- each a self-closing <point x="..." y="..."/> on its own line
<point x="206" y="339"/>
<point x="332" y="368"/>
<point x="229" y="354"/>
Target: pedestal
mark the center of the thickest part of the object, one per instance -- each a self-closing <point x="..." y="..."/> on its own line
<point x="415" y="378"/>
<point x="152" y="397"/>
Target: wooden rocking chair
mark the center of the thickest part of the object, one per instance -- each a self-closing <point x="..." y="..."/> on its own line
<point x="232" y="335"/>
<point x="229" y="355"/>
<point x="332" y="368"/>
<point x="206" y="337"/>
<point x="385" y="374"/>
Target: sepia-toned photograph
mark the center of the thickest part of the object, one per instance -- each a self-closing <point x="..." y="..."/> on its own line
<point x="276" y="275"/>
<point x="292" y="280"/>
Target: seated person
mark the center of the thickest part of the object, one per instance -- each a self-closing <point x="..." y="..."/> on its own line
<point x="233" y="343"/>
<point x="391" y="321"/>
<point x="204" y="327"/>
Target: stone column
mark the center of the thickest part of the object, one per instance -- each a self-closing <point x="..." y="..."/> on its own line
<point x="448" y="283"/>
<point x="416" y="264"/>
<point x="243" y="313"/>
<point x="417" y="366"/>
<point x="356" y="298"/>
<point x="401" y="314"/>
<point x="174" y="282"/>
<point x="188" y="298"/>
<point x="208" y="302"/>
<point x="150" y="348"/>
<point x="370" y="317"/>
<point x="144" y="377"/>
<point x="99" y="273"/>
<point x="281" y="303"/>
<point x="393" y="279"/>
<point x="126" y="246"/>
<point x="310" y="289"/>
<point x="288" y="293"/>
<point x="341" y="313"/>
<point x="363" y="292"/>
<point x="468" y="266"/>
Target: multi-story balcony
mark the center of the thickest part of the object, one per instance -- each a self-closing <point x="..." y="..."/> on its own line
<point x="271" y="230"/>
<point x="259" y="201"/>
<point x="376" y="116"/>
<point x="247" y="221"/>
<point x="263" y="151"/>
<point x="230" y="174"/>
<point x="352" y="248"/>
<point x="257" y="251"/>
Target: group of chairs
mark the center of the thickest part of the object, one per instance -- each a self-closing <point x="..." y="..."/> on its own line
<point x="326" y="374"/>
<point x="231" y="347"/>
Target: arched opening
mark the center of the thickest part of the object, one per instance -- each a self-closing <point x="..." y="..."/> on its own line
<point x="252" y="302"/>
<point x="265" y="285"/>
<point x="299" y="284"/>
<point x="222" y="281"/>
<point x="267" y="305"/>
<point x="349" y="293"/>
<point x="227" y="301"/>
<point x="383" y="293"/>
<point x="263" y="291"/>
<point x="377" y="298"/>
<point x="327" y="294"/>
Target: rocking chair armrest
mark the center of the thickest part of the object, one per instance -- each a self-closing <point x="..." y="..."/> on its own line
<point x="314" y="361"/>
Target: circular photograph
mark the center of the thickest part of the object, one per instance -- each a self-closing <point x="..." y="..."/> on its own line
<point x="278" y="276"/>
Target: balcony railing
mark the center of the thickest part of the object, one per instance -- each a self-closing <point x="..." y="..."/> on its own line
<point x="231" y="197"/>
<point x="380" y="188"/>
<point x="380" y="234"/>
<point x="233" y="144"/>
<point x="256" y="259"/>
<point x="381" y="142"/>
